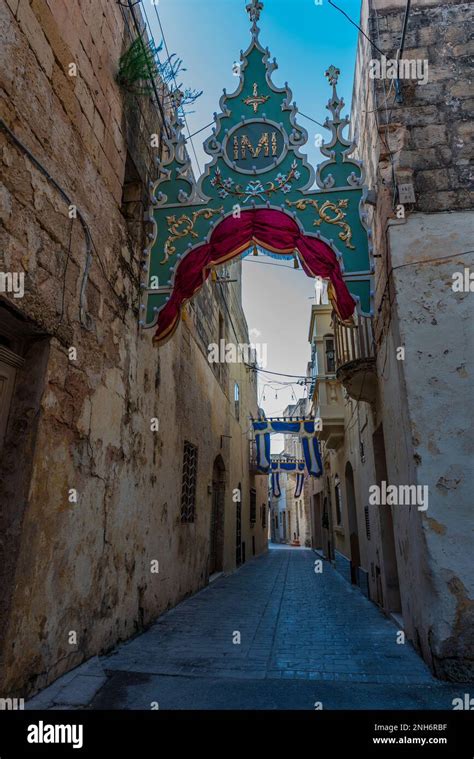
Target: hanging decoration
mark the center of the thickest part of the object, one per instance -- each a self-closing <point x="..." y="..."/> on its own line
<point x="262" y="444"/>
<point x="299" y="485"/>
<point x="287" y="465"/>
<point x="275" y="480"/>
<point x="305" y="428"/>
<point x="257" y="193"/>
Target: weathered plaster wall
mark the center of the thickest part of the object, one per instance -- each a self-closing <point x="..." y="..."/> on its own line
<point x="437" y="334"/>
<point x="423" y="399"/>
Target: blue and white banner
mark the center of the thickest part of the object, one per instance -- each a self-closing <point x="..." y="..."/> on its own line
<point x="305" y="428"/>
<point x="285" y="467"/>
<point x="262" y="444"/>
<point x="312" y="456"/>
<point x="299" y="485"/>
<point x="288" y="465"/>
<point x="276" y="492"/>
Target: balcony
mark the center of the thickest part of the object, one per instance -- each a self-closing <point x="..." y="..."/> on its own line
<point x="331" y="410"/>
<point x="355" y="358"/>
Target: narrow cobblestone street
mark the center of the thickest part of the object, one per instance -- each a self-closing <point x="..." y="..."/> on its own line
<point x="305" y="638"/>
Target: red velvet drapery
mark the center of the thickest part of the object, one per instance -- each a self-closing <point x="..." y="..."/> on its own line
<point x="271" y="229"/>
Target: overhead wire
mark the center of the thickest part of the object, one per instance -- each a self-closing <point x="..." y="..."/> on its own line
<point x="211" y="123"/>
<point x="176" y="84"/>
<point x="354" y="24"/>
<point x="249" y="259"/>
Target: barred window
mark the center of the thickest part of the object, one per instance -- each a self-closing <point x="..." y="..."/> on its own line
<point x="188" y="488"/>
<point x="338" y="492"/>
<point x="237" y="401"/>
<point x="367" y="522"/>
<point x="330" y="355"/>
<point x="253" y="506"/>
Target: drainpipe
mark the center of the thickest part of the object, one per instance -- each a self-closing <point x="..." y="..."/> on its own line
<point x="398" y="87"/>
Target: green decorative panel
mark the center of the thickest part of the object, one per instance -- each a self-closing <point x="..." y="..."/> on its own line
<point x="256" y="163"/>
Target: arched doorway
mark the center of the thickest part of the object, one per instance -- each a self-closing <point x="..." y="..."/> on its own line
<point x="238" y="529"/>
<point x="216" y="540"/>
<point x="388" y="589"/>
<point x="353" y="527"/>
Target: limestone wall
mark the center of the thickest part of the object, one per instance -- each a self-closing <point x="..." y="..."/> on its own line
<point x="84" y="424"/>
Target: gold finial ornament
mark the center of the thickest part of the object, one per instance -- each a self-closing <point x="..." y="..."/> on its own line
<point x="332" y="75"/>
<point x="255" y="100"/>
<point x="254" y="8"/>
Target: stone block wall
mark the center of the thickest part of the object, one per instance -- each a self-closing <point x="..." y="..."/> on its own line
<point x="82" y="423"/>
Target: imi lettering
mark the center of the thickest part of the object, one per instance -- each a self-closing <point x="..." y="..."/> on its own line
<point x="255" y="146"/>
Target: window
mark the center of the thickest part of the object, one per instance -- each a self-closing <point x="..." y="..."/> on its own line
<point x="338" y="493"/>
<point x="220" y="365"/>
<point x="253" y="506"/>
<point x="238" y="528"/>
<point x="237" y="400"/>
<point x="330" y="355"/>
<point x="264" y="514"/>
<point x="325" y="518"/>
<point x="188" y="488"/>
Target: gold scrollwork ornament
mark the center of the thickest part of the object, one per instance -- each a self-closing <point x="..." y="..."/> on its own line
<point x="184" y="226"/>
<point x="338" y="218"/>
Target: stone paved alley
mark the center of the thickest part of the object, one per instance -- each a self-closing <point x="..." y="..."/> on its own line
<point x="305" y="638"/>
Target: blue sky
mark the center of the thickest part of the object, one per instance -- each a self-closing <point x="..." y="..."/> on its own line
<point x="305" y="38"/>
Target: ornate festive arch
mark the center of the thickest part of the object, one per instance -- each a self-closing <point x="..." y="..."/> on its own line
<point x="258" y="190"/>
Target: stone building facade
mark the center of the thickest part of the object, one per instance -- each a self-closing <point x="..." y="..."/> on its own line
<point x="289" y="514"/>
<point x="399" y="409"/>
<point x="124" y="469"/>
<point x="278" y="518"/>
<point x="333" y="514"/>
<point x="298" y="522"/>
